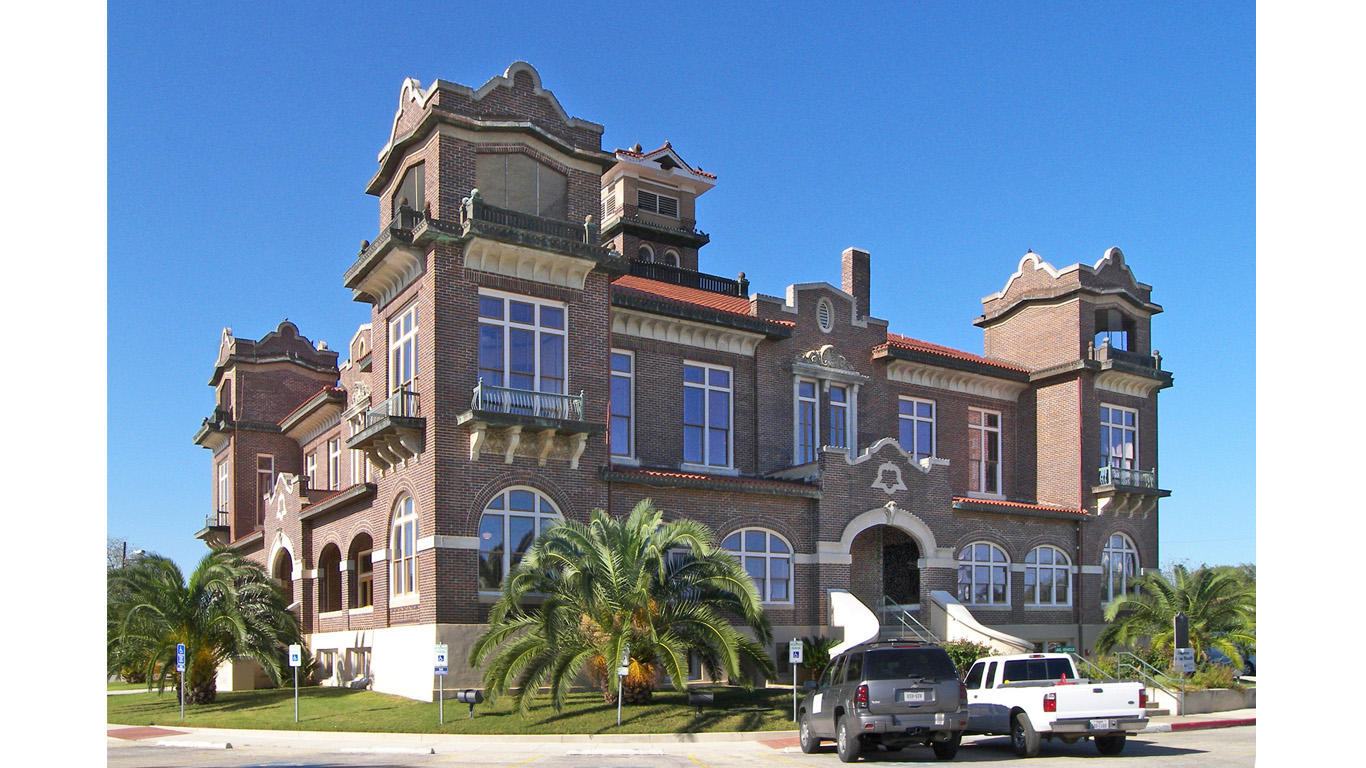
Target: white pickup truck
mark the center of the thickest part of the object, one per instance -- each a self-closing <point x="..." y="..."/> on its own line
<point x="1039" y="695"/>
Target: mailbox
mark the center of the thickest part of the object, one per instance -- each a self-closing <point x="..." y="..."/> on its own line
<point x="700" y="699"/>
<point x="470" y="696"/>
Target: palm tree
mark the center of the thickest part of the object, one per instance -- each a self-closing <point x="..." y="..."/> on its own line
<point x="1219" y="603"/>
<point x="583" y="592"/>
<point x="230" y="608"/>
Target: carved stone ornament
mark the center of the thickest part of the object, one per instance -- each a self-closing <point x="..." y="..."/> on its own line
<point x="360" y="392"/>
<point x="826" y="357"/>
<point x="889" y="472"/>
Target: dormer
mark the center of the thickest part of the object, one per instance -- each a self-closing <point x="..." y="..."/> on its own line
<point x="649" y="206"/>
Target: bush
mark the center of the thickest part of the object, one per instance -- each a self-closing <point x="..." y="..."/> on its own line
<point x="1214" y="676"/>
<point x="964" y="653"/>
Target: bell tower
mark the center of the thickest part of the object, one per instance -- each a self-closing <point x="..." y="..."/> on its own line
<point x="649" y="207"/>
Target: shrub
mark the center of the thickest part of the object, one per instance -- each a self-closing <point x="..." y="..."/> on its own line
<point x="964" y="653"/>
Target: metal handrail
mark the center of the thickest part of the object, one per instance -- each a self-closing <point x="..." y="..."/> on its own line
<point x="1146" y="672"/>
<point x="907" y="620"/>
<point x="217" y="519"/>
<point x="1137" y="478"/>
<point x="688" y="278"/>
<point x="402" y="403"/>
<point x="1086" y="666"/>
<point x="523" y="402"/>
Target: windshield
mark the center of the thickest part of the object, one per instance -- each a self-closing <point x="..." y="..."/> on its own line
<point x="904" y="663"/>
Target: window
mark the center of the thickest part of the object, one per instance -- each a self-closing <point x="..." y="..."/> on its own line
<point x="656" y="203"/>
<point x="1118" y="437"/>
<point x="361" y="572"/>
<point x="265" y="480"/>
<point x="619" y="427"/>
<point x="1047" y="577"/>
<point x="222" y="486"/>
<point x="327" y="664"/>
<point x="360" y="468"/>
<point x="1113" y="328"/>
<point x="917" y="426"/>
<point x="984" y="451"/>
<point x="807" y="429"/>
<point x="334" y="463"/>
<point x="1119" y="562"/>
<point x="311" y="469"/>
<point x="403" y="549"/>
<point x="329" y="579"/>
<point x="520" y="183"/>
<point x="609" y="206"/>
<point x="511" y="523"/>
<point x="412" y="188"/>
<point x="706" y="414"/>
<point x="403" y="353"/>
<point x="646" y="254"/>
<point x="670" y="258"/>
<point x="838" y="416"/>
<point x="825" y="315"/>
<point x="521" y="343"/>
<point x="358" y="662"/>
<point x="983" y="575"/>
<point x="767" y="559"/>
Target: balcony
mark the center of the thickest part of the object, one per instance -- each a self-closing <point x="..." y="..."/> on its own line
<point x="1127" y="491"/>
<point x="394" y="432"/>
<point x="217" y="530"/>
<point x="687" y="278"/>
<point x="1127" y="372"/>
<point x="686" y="234"/>
<point x="518" y="422"/>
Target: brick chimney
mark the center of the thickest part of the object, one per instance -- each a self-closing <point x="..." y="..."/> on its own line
<point x="854" y="269"/>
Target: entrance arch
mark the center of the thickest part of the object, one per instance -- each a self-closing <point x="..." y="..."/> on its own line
<point x="891" y="545"/>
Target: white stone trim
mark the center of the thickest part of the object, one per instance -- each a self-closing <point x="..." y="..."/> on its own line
<point x="644" y="325"/>
<point x="935" y="377"/>
<point x="1125" y="383"/>
<point x="527" y="263"/>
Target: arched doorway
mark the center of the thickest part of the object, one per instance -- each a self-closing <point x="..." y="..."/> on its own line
<point x="887" y="572"/>
<point x="283" y="572"/>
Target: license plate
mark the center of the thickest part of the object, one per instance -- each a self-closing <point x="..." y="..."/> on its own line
<point x="1102" y="725"/>
<point x="913" y="696"/>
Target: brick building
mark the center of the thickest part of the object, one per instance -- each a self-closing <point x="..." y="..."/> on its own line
<point x="548" y="345"/>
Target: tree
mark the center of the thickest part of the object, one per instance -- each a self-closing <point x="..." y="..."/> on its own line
<point x="583" y="592"/>
<point x="117" y="553"/>
<point x="1220" y="605"/>
<point x="230" y="608"/>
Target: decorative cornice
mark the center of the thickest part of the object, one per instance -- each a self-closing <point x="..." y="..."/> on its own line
<point x="535" y="264"/>
<point x="657" y="328"/>
<point x="937" y="377"/>
<point x="1123" y="383"/>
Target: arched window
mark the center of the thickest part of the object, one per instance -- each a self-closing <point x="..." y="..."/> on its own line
<point x="1047" y="577"/>
<point x="767" y="558"/>
<point x="361" y="572"/>
<point x="329" y="579"/>
<point x="646" y="253"/>
<point x="983" y="575"/>
<point x="511" y="522"/>
<point x="403" y="549"/>
<point x="671" y="258"/>
<point x="1119" y="562"/>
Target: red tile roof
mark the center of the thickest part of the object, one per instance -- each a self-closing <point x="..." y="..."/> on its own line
<point x="906" y="342"/>
<point x="667" y="145"/>
<point x="1022" y="505"/>
<point x="735" y="305"/>
<point x="738" y="480"/>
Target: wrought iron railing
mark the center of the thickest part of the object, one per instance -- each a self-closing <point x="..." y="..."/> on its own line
<point x="522" y="402"/>
<point x="665" y="273"/>
<point x="1152" y="677"/>
<point x="1104" y="352"/>
<point x="402" y="403"/>
<point x="896" y="616"/>
<point x="476" y="209"/>
<point x="217" y="519"/>
<point x="1135" y="478"/>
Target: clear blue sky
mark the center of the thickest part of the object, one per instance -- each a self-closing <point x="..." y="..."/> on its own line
<point x="945" y="138"/>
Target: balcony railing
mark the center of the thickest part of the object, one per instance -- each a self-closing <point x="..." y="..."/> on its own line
<point x="687" y="278"/>
<point x="217" y="519"/>
<point x="1107" y="353"/>
<point x="402" y="403"/>
<point x="521" y="402"/>
<point x="475" y="209"/>
<point x="1134" y="478"/>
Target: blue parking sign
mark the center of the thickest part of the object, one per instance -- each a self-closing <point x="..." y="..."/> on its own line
<point x="180" y="657"/>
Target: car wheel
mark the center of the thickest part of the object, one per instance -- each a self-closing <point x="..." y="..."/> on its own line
<point x="1110" y="745"/>
<point x="846" y="742"/>
<point x="1249" y="669"/>
<point x="945" y="750"/>
<point x="1023" y="737"/>
<point x="809" y="743"/>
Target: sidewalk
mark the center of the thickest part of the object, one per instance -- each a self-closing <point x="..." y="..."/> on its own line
<point x="570" y="744"/>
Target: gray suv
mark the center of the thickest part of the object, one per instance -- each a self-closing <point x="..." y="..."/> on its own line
<point x="891" y="692"/>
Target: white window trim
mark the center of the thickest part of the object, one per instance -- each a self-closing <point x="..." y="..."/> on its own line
<point x="677" y="261"/>
<point x="311" y="468"/>
<point x="768" y="555"/>
<point x="1105" y="552"/>
<point x="334" y="463"/>
<point x="399" y="519"/>
<point x="829" y="309"/>
<point x="978" y="432"/>
<point x="815" y="402"/>
<point x="630" y="376"/>
<point x="706" y="386"/>
<point x="991" y="566"/>
<point x="261" y="503"/>
<point x="401" y="344"/>
<point x="845" y="406"/>
<point x="1105" y="445"/>
<point x="506" y="324"/>
<point x="1066" y="567"/>
<point x="224" y="486"/>
<point x="541" y="518"/>
<point x="911" y="417"/>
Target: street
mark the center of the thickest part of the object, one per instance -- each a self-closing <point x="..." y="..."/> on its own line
<point x="1211" y="748"/>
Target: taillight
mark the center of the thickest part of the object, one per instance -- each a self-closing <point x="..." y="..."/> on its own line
<point x="1050" y="702"/>
<point x="1143" y="698"/>
<point x="861" y="697"/>
<point x="962" y="694"/>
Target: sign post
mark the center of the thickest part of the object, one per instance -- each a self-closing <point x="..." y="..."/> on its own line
<point x="623" y="670"/>
<point x="296" y="658"/>
<point x="795" y="650"/>
<point x="180" y="670"/>
<point x="441" y="670"/>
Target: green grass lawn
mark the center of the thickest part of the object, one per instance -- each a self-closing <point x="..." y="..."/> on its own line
<point x="122" y="686"/>
<point x="337" y="709"/>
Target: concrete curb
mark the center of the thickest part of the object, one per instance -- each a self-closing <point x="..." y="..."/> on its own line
<point x="1197" y="725"/>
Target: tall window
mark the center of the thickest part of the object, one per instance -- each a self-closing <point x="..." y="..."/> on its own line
<point x="511" y="523"/>
<point x="362" y="572"/>
<point x="265" y="479"/>
<point x="334" y="463"/>
<point x="623" y="407"/>
<point x="983" y="575"/>
<point x="1118" y="437"/>
<point x="311" y="468"/>
<point x="329" y="580"/>
<point x="1047" y="577"/>
<point x="706" y="414"/>
<point x="403" y="351"/>
<point x="984" y="451"/>
<point x="916" y="419"/>
<point x="838" y="416"/>
<point x="807" y="428"/>
<point x="518" y="182"/>
<point x="360" y="467"/>
<point x="521" y="343"/>
<point x="670" y="258"/>
<point x="222" y="486"/>
<point x="412" y="188"/>
<point x="1119" y="562"/>
<point x="767" y="559"/>
<point x="403" y="549"/>
<point x="645" y="254"/>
